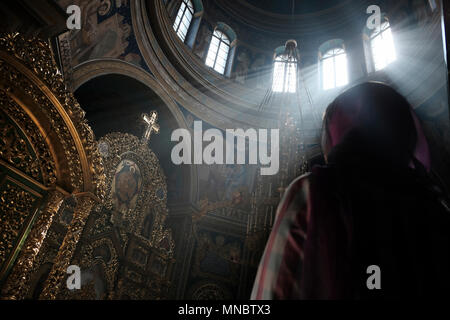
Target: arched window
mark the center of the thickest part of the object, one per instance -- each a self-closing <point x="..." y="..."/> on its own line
<point x="184" y="19"/>
<point x="382" y="47"/>
<point x="219" y="49"/>
<point x="284" y="73"/>
<point x="334" y="69"/>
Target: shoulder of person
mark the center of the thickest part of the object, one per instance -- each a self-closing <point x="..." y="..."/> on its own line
<point x="299" y="183"/>
<point x="297" y="192"/>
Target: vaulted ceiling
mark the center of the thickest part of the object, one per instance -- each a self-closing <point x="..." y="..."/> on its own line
<point x="294" y="6"/>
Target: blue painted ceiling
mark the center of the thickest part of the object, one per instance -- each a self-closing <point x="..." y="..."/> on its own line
<point x="298" y="6"/>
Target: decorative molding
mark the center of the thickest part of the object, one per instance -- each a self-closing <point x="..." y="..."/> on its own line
<point x="23" y="145"/>
<point x="28" y="64"/>
<point x="54" y="282"/>
<point x="153" y="194"/>
<point x="48" y="128"/>
<point x="17" y="284"/>
<point x="212" y="104"/>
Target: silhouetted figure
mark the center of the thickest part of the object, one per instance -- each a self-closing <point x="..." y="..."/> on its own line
<point x="372" y="204"/>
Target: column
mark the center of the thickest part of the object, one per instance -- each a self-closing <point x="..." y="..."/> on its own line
<point x="180" y="221"/>
<point x="58" y="273"/>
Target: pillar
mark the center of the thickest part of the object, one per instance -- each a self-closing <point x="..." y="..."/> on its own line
<point x="58" y="272"/>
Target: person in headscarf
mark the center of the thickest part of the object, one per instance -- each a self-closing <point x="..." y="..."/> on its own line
<point x="372" y="205"/>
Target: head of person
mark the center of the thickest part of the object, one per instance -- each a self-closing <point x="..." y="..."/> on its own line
<point x="374" y="123"/>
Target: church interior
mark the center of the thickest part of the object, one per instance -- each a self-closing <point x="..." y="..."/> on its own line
<point x="92" y="91"/>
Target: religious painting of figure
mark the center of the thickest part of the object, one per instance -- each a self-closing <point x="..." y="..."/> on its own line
<point x="242" y="66"/>
<point x="231" y="183"/>
<point x="105" y="32"/>
<point x="218" y="255"/>
<point x="215" y="262"/>
<point x="126" y="186"/>
<point x="235" y="178"/>
<point x="260" y="72"/>
<point x="203" y="40"/>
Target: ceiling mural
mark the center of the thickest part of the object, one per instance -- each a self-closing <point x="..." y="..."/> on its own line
<point x="106" y="32"/>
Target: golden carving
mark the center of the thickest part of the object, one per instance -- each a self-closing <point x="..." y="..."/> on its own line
<point x="117" y="147"/>
<point x="45" y="139"/>
<point x="110" y="266"/>
<point x="16" y="285"/>
<point x="90" y="258"/>
<point x="63" y="259"/>
<point x="16" y="205"/>
<point x="14" y="148"/>
<point x="134" y="213"/>
<point x="27" y="65"/>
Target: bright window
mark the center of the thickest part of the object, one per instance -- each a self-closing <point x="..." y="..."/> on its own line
<point x="382" y="45"/>
<point x="184" y="19"/>
<point x="284" y="74"/>
<point x="334" y="69"/>
<point x="218" y="51"/>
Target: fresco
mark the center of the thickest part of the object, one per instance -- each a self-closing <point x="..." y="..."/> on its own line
<point x="203" y="39"/>
<point x="223" y="185"/>
<point x="218" y="256"/>
<point x="106" y="32"/>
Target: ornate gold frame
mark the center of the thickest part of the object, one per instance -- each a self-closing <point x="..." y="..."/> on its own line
<point x="33" y="94"/>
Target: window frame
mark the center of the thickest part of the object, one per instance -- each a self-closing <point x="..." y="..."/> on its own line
<point x="287" y="62"/>
<point x="222" y="39"/>
<point x="188" y="9"/>
<point x="332" y="54"/>
<point x="384" y="27"/>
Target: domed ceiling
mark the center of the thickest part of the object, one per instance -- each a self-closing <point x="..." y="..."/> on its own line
<point x="287" y="7"/>
<point x="310" y="17"/>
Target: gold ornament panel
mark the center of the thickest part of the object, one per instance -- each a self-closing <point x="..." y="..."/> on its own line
<point x="18" y="204"/>
<point x="100" y="260"/>
<point x="21" y="144"/>
<point x="47" y="143"/>
<point x="129" y="224"/>
<point x="29" y="76"/>
<point x="151" y="196"/>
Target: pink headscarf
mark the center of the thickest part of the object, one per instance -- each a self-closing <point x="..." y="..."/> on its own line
<point x="343" y="120"/>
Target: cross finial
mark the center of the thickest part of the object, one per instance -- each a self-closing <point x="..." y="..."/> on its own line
<point x="151" y="125"/>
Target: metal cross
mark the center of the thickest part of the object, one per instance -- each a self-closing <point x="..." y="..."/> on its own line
<point x="151" y="125"/>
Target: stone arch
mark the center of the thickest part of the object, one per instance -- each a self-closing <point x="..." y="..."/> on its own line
<point x="94" y="69"/>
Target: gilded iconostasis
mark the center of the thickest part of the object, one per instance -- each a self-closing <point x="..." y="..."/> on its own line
<point x="86" y="174"/>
